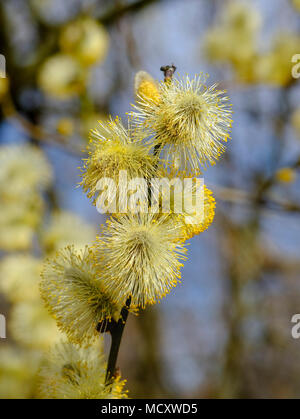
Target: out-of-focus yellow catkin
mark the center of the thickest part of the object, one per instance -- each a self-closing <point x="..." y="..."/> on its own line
<point x="61" y="76"/>
<point x="18" y="371"/>
<point x="24" y="168"/>
<point x="275" y="67"/>
<point x="241" y="17"/>
<point x="15" y="237"/>
<point x="32" y="326"/>
<point x="4" y="85"/>
<point x="85" y="39"/>
<point x="89" y="121"/>
<point x="146" y="87"/>
<point x="20" y="275"/>
<point x="286" y="175"/>
<point x="19" y="217"/>
<point x="296" y="4"/>
<point x="65" y="127"/>
<point x="25" y="173"/>
<point x="233" y="39"/>
<point x="66" y="228"/>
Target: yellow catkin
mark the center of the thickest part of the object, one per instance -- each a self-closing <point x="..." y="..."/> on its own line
<point x="139" y="258"/>
<point x="194" y="225"/>
<point x="286" y="175"/>
<point x="65" y="126"/>
<point x="74" y="372"/>
<point x="146" y="87"/>
<point x="114" y="148"/>
<point x="190" y="123"/>
<point x="73" y="292"/>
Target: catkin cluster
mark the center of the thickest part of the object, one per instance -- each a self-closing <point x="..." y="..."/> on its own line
<point x="176" y="128"/>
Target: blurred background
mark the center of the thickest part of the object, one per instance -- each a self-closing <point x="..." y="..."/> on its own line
<point x="226" y="330"/>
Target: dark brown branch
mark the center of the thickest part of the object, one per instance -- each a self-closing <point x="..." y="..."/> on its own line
<point x="116" y="330"/>
<point x="118" y="11"/>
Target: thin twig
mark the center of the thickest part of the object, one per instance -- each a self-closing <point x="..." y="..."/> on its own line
<point x="118" y="11"/>
<point x="246" y="198"/>
<point x="36" y="132"/>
